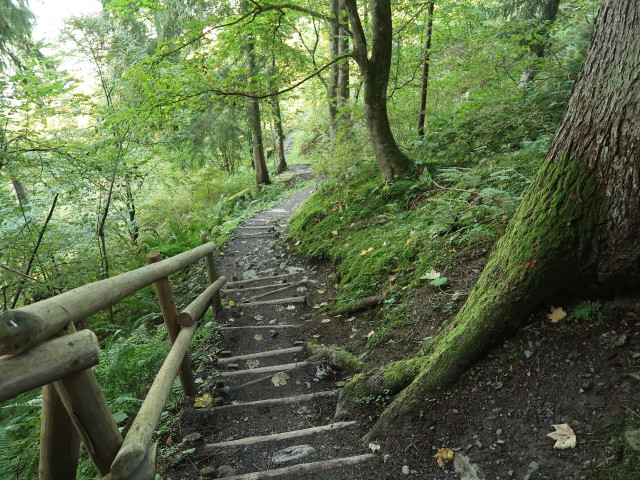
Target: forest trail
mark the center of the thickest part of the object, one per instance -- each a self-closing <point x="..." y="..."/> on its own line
<point x="274" y="406"/>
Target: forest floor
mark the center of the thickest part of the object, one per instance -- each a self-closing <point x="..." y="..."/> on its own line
<point x="584" y="372"/>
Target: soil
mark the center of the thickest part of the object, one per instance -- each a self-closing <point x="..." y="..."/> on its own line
<point x="582" y="372"/>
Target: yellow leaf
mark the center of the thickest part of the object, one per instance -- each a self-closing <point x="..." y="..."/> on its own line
<point x="385" y="188"/>
<point x="364" y="252"/>
<point x="408" y="240"/>
<point x="232" y="303"/>
<point x="374" y="447"/>
<point x="257" y="337"/>
<point x="279" y="379"/>
<point x="203" y="401"/>
<point x="321" y="291"/>
<point x="334" y="232"/>
<point x="170" y="441"/>
<point x="443" y="454"/>
<point x="556" y="314"/>
<point x="326" y="320"/>
<point x="564" y="436"/>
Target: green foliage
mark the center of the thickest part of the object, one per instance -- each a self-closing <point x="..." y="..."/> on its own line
<point x="588" y="311"/>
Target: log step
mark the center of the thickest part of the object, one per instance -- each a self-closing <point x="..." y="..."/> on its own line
<point x="249" y="327"/>
<point x="258" y="279"/>
<point x="268" y="353"/>
<point x="299" y="470"/>
<point x="275" y="302"/>
<point x="273" y="401"/>
<point x="275" y="437"/>
<point x="274" y="368"/>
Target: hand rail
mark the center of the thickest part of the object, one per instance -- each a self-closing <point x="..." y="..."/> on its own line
<point x="41" y="347"/>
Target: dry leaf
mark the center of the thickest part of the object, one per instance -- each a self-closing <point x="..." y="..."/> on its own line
<point x="291" y="307"/>
<point x="564" y="436"/>
<point x="364" y="252"/>
<point x="301" y="289"/>
<point x="232" y="303"/>
<point x="556" y="314"/>
<point x="204" y="401"/>
<point x="370" y="334"/>
<point x="257" y="337"/>
<point x="326" y="320"/>
<point x="279" y="379"/>
<point x="431" y="275"/>
<point x="258" y="317"/>
<point x="443" y="454"/>
<point x="334" y="232"/>
<point x="170" y="441"/>
<point x="321" y="291"/>
<point x="297" y="243"/>
<point x="253" y="363"/>
<point x="374" y="447"/>
<point x="408" y="240"/>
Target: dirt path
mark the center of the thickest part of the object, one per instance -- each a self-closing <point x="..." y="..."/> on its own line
<point x="274" y="407"/>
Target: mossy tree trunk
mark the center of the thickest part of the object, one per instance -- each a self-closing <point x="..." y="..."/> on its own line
<point x="578" y="227"/>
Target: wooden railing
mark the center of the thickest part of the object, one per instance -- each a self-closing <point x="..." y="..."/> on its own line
<point x="39" y="346"/>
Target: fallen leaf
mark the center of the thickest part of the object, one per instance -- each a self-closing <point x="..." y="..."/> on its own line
<point x="291" y="307"/>
<point x="258" y="317"/>
<point x="253" y="363"/>
<point x="564" y="436"/>
<point x="408" y="240"/>
<point x="370" y="334"/>
<point x="556" y="314"/>
<point x="232" y="303"/>
<point x="297" y="243"/>
<point x="279" y="379"/>
<point x="374" y="447"/>
<point x="301" y="289"/>
<point x="364" y="252"/>
<point x="334" y="232"/>
<point x="257" y="337"/>
<point x="431" y="275"/>
<point x="202" y="402"/>
<point x="321" y="291"/>
<point x="170" y="441"/>
<point x="443" y="454"/>
<point x="326" y="320"/>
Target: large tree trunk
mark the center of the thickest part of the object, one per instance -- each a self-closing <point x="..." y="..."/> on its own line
<point x="375" y="74"/>
<point x="577" y="229"/>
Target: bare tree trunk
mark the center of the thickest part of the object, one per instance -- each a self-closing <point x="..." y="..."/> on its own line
<point x="255" y="124"/>
<point x="21" y="192"/>
<point x="539" y="44"/>
<point x="424" y="86"/>
<point x="342" y="83"/>
<point x="576" y="230"/>
<point x="281" y="162"/>
<point x="332" y="84"/>
<point x="375" y="70"/>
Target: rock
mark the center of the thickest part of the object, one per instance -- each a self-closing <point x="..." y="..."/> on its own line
<point x="293" y="453"/>
<point x="528" y="353"/>
<point x="294" y="269"/>
<point x="497" y="385"/>
<point x="192" y="437"/>
<point x="533" y="466"/>
<point x="273" y="333"/>
<point x="249" y="274"/>
<point x="632" y="439"/>
<point x="405" y="469"/>
<point x="208" y="471"/>
<point x="224" y="471"/>
<point x="467" y="470"/>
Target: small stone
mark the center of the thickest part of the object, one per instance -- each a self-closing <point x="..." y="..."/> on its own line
<point x="224" y="471"/>
<point x="405" y="469"/>
<point x="499" y="431"/>
<point x="208" y="471"/>
<point x="232" y="366"/>
<point x="273" y="333"/>
<point x="293" y="453"/>
<point x="386" y="458"/>
<point x="192" y="437"/>
<point x="497" y="385"/>
<point x="534" y="466"/>
<point x="510" y="473"/>
<point x="528" y="353"/>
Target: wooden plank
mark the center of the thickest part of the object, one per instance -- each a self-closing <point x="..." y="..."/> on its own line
<point x="170" y="315"/>
<point x="276" y="437"/>
<point x="300" y="470"/>
<point x="47" y="362"/>
<point x="26" y="327"/>
<point x="141" y="431"/>
<point x="252" y="280"/>
<point x="261" y="287"/>
<point x="196" y="309"/>
<point x="59" y="440"/>
<point x="269" y="353"/>
<point x="273" y="401"/>
<point x="277" y="301"/>
<point x="274" y="368"/>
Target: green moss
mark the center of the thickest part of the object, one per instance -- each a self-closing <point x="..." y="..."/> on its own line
<point x="625" y="462"/>
<point x="334" y="354"/>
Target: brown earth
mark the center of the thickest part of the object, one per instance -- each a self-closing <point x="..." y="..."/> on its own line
<point x="582" y="372"/>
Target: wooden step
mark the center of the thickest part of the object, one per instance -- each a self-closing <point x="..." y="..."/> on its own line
<point x="259" y="279"/>
<point x="274" y="368"/>
<point x="275" y="437"/>
<point x="249" y="327"/>
<point x="273" y="401"/>
<point x="268" y="353"/>
<point x="277" y="301"/>
<point x="297" y="471"/>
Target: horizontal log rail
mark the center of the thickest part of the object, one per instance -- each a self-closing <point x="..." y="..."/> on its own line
<point x="39" y="346"/>
<point x="26" y="327"/>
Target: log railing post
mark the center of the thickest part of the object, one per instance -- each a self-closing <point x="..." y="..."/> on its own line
<point x="59" y="440"/>
<point x="216" y="304"/>
<point x="170" y="314"/>
<point x="88" y="410"/>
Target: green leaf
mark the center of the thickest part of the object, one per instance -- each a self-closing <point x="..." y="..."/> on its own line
<point x="120" y="417"/>
<point x="438" y="281"/>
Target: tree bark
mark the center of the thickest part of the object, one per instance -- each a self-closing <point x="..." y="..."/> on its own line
<point x="375" y="70"/>
<point x="343" y="67"/>
<point x="281" y="162"/>
<point x="332" y="84"/>
<point x="539" y="44"/>
<point x="259" y="162"/>
<point x="424" y="84"/>
<point x="577" y="229"/>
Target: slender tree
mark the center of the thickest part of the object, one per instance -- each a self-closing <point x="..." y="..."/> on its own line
<point x="426" y="63"/>
<point x="576" y="230"/>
